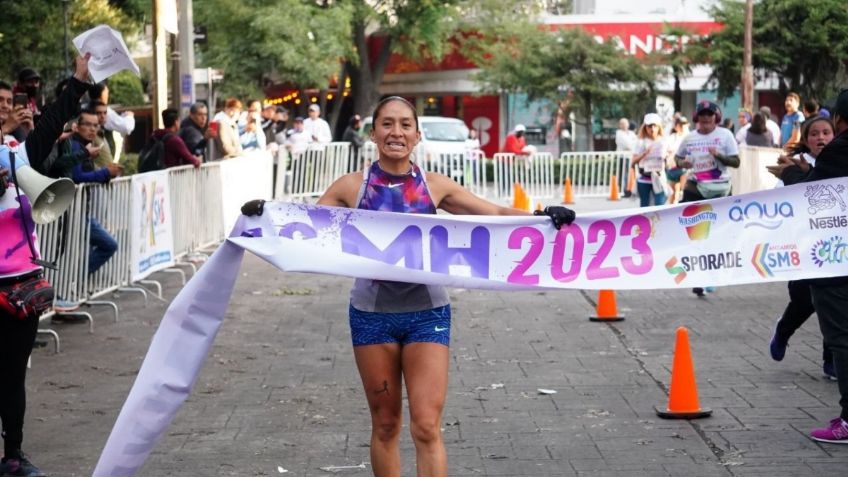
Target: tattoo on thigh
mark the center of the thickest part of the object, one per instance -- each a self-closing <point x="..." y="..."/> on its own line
<point x="384" y="390"/>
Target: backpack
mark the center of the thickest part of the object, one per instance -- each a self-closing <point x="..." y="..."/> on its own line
<point x="152" y="155"/>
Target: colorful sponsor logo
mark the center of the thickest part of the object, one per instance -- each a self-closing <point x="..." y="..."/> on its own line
<point x="768" y="259"/>
<point x="697" y="219"/>
<point x="757" y="214"/>
<point x="831" y="251"/>
<point x="673" y="268"/>
<point x="825" y="197"/>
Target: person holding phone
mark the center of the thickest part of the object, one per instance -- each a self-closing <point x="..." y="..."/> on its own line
<point x="16" y="118"/>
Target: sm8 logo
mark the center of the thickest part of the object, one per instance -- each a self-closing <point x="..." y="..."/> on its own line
<point x="603" y="232"/>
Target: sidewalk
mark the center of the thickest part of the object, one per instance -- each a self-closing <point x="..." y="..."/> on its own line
<point x="280" y="389"/>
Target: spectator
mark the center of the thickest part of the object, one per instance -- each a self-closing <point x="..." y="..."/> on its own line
<point x="351" y="134"/>
<point x="228" y="135"/>
<point x="317" y="129"/>
<point x="772" y="126"/>
<point x="268" y="124"/>
<point x="76" y="160"/>
<point x="650" y="158"/>
<point x="253" y="137"/>
<point x="123" y="124"/>
<point x="728" y="124"/>
<point x="744" y="119"/>
<point x="472" y="143"/>
<point x="281" y="118"/>
<point x="17" y="336"/>
<point x="757" y="134"/>
<point x="707" y="151"/>
<point x="790" y="126"/>
<point x="104" y="140"/>
<point x="830" y="295"/>
<point x="298" y="139"/>
<point x="811" y="108"/>
<point x="29" y="83"/>
<point x="625" y="141"/>
<point x="14" y="119"/>
<point x="515" y="142"/>
<point x="176" y="152"/>
<point x="194" y="130"/>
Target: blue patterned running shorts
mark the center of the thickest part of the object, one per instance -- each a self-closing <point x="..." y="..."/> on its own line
<point x="426" y="326"/>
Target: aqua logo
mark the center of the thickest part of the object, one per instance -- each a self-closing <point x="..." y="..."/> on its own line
<point x="756" y="214"/>
<point x="832" y="251"/>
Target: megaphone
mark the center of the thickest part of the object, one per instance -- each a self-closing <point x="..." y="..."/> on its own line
<point x="49" y="197"/>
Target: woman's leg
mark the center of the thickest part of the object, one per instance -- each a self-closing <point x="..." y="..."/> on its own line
<point x="16" y="340"/>
<point x="659" y="199"/>
<point x="425" y="370"/>
<point x="644" y="193"/>
<point x="380" y="369"/>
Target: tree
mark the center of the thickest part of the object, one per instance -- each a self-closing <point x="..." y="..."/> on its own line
<point x="260" y="42"/>
<point x="417" y="29"/>
<point x="678" y="60"/>
<point x="32" y="33"/>
<point x="568" y="67"/>
<point x="803" y="44"/>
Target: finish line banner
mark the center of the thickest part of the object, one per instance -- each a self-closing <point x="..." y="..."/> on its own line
<point x="776" y="235"/>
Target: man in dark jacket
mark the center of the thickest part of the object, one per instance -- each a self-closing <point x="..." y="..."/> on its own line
<point x="830" y="295"/>
<point x="176" y="152"/>
<point x="351" y="134"/>
<point x="194" y="131"/>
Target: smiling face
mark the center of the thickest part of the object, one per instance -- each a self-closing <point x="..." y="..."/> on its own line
<point x="395" y="130"/>
<point x="818" y="135"/>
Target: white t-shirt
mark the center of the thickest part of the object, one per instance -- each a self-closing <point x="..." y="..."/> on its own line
<point x="742" y="133"/>
<point x="706" y="168"/>
<point x="654" y="161"/>
<point x="624" y="140"/>
<point x="319" y="129"/>
<point x="775" y="132"/>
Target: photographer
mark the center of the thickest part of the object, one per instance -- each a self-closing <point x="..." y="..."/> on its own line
<point x="24" y="293"/>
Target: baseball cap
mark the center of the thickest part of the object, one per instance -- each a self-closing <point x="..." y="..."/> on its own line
<point x="281" y="109"/>
<point x="298" y="119"/>
<point x="706" y="105"/>
<point x="519" y="128"/>
<point x="652" y="118"/>
<point x="314" y="107"/>
<point x="27" y="74"/>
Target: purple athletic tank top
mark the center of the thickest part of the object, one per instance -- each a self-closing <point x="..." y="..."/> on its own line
<point x="406" y="193"/>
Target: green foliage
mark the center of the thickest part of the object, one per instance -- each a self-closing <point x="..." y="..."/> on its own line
<point x="32" y="33"/>
<point x="125" y="89"/>
<point x="567" y="66"/>
<point x="804" y="44"/>
<point x="257" y="42"/>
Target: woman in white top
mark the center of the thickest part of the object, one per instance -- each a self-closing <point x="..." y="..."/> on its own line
<point x="676" y="176"/>
<point x="650" y="158"/>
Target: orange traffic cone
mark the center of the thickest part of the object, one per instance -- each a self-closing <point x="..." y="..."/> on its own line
<point x="606" y="309"/>
<point x="683" y="391"/>
<point x="613" y="188"/>
<point x="539" y="206"/>
<point x="567" y="193"/>
<point x="517" y="196"/>
<point x="631" y="181"/>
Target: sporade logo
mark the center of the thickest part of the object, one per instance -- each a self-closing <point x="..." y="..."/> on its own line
<point x="702" y="263"/>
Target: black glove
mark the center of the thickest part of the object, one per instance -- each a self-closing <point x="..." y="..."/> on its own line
<point x="559" y="215"/>
<point x="253" y="207"/>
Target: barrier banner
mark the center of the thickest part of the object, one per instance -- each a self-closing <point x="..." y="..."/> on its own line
<point x="776" y="235"/>
<point x="152" y="240"/>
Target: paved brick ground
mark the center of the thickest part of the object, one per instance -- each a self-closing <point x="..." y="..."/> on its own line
<point x="280" y="389"/>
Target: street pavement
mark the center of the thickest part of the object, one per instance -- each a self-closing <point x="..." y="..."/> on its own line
<point x="280" y="394"/>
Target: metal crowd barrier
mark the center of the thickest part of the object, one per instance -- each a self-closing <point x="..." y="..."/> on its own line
<point x="197" y="223"/>
<point x="752" y="174"/>
<point x="535" y="173"/>
<point x="591" y="172"/>
<point x="313" y="170"/>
